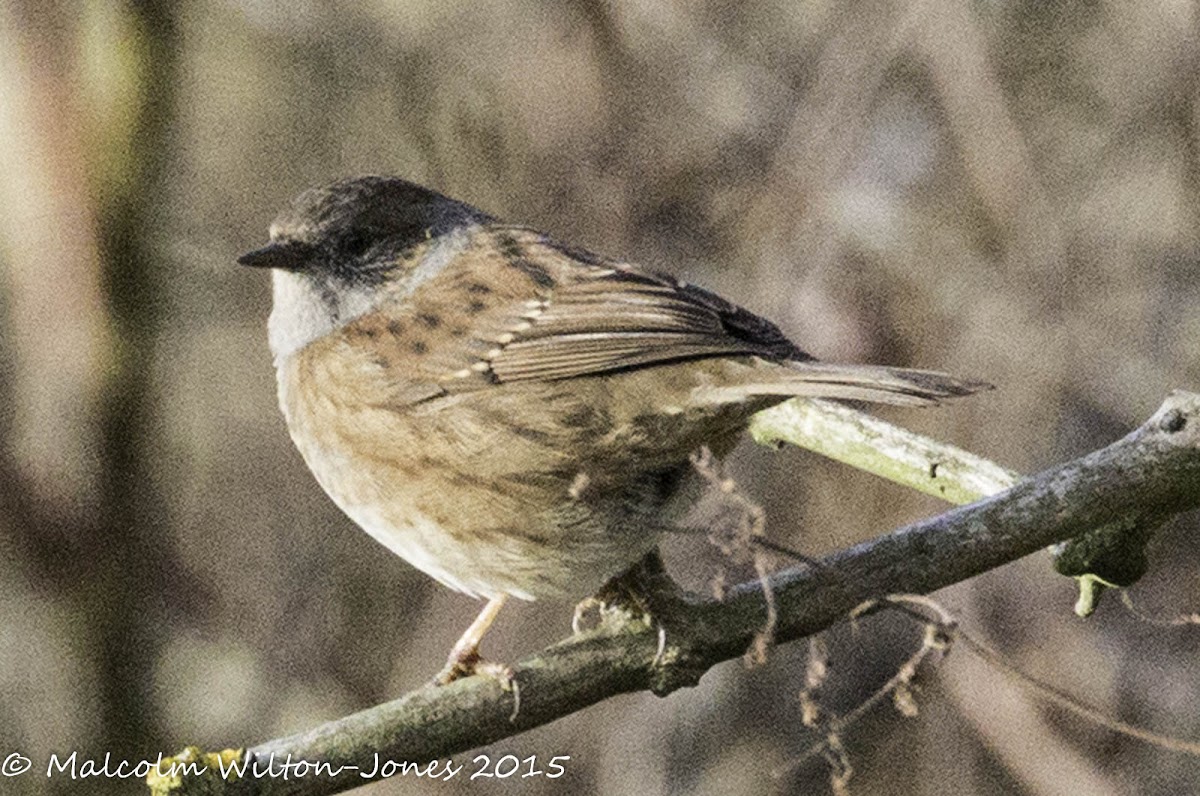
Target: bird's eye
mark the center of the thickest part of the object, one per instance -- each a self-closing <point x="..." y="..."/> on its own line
<point x="356" y="242"/>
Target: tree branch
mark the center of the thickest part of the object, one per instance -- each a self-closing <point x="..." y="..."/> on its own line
<point x="1112" y="555"/>
<point x="868" y="443"/>
<point x="1153" y="471"/>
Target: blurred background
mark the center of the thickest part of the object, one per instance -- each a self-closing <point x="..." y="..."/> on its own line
<point x="1003" y="189"/>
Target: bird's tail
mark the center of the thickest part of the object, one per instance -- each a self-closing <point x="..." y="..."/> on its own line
<point x="872" y="383"/>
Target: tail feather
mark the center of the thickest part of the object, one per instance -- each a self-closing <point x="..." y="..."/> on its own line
<point x="873" y="383"/>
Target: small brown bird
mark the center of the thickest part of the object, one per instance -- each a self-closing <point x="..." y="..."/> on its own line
<point x="510" y="414"/>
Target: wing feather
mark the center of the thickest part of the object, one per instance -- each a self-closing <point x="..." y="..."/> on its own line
<point x="514" y="306"/>
<point x="600" y="316"/>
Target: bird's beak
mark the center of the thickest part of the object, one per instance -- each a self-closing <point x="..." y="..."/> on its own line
<point x="290" y="255"/>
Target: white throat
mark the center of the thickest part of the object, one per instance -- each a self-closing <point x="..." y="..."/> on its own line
<point x="305" y="309"/>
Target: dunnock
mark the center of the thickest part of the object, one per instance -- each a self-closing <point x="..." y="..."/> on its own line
<point x="510" y="414"/>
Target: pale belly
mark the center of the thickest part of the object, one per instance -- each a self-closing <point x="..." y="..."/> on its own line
<point x="479" y="544"/>
<point x="486" y="562"/>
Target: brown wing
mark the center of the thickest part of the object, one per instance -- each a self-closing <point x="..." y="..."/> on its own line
<point x="616" y="317"/>
<point x="517" y="306"/>
<point x="595" y="316"/>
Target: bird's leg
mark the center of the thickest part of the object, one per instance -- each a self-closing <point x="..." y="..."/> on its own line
<point x="465" y="659"/>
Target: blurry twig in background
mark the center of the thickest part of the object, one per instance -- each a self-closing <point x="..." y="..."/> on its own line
<point x="742" y="538"/>
<point x="1045" y="691"/>
<point x="941" y="633"/>
<point x="936" y="640"/>
<point x="58" y="326"/>
<point x="818" y="144"/>
<point x="1171" y="621"/>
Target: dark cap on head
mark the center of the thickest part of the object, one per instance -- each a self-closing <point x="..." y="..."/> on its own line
<point x="352" y="223"/>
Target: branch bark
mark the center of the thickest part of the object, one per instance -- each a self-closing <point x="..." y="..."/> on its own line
<point x="868" y="443"/>
<point x="1110" y="556"/>
<point x="1153" y="471"/>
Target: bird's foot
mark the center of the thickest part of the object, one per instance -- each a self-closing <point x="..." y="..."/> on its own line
<point x="468" y="663"/>
<point x="618" y="598"/>
<point x="638" y="594"/>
